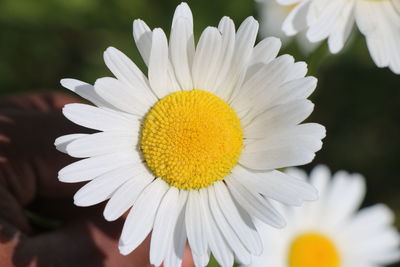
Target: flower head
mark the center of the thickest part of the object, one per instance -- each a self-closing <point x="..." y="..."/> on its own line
<point x="378" y="20"/>
<point x="331" y="232"/>
<point x="194" y="146"/>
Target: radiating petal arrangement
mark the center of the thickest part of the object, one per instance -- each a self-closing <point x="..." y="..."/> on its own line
<point x="195" y="146"/>
<point x="331" y="232"/>
<point x="377" y="20"/>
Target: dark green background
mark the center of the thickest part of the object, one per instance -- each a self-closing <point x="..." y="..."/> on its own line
<point x="43" y="41"/>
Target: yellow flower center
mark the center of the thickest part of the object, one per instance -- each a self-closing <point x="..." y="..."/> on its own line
<point x="191" y="139"/>
<point x="313" y="250"/>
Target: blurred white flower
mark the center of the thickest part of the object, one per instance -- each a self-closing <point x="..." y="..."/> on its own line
<point x="331" y="232"/>
<point x="378" y="20"/>
<point x="193" y="146"/>
<point x="272" y="15"/>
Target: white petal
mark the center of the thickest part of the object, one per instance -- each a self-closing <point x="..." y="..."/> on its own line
<point x="164" y="225"/>
<point x="99" y="119"/>
<point x="345" y="197"/>
<point x="277" y="185"/>
<point x="296" y="89"/>
<point x="129" y="74"/>
<point x="296" y="21"/>
<point x="202" y="260"/>
<point x="263" y="53"/>
<point x="254" y="203"/>
<point x="244" y="43"/>
<point x="258" y="90"/>
<point x="137" y="226"/>
<point x="88" y="169"/>
<point x="178" y="235"/>
<point x="326" y="21"/>
<point x="122" y="96"/>
<point x="216" y="242"/>
<point x="370" y="219"/>
<point x="62" y="141"/>
<point x="207" y="60"/>
<point x="342" y="30"/>
<point x="84" y="90"/>
<point x="102" y="143"/>
<point x="182" y="45"/>
<point x="181" y="41"/>
<point x="227" y="29"/>
<point x="143" y="38"/>
<point x="240" y="222"/>
<point x="194" y="225"/>
<point x="102" y="187"/>
<point x="304" y="136"/>
<point x="161" y="79"/>
<point x="284" y="147"/>
<point x="126" y="195"/>
<point x="266" y="50"/>
<point x="284" y="115"/>
<point x="230" y="236"/>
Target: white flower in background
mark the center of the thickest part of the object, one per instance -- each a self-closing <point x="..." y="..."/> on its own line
<point x="378" y="20"/>
<point x="194" y="147"/>
<point x="331" y="232"/>
<point x="272" y="17"/>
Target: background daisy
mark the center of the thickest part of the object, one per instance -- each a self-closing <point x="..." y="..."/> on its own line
<point x="331" y="232"/>
<point x="378" y="20"/>
<point x="272" y="15"/>
<point x="194" y="147"/>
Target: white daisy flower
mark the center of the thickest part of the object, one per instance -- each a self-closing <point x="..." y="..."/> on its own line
<point x="272" y="17"/>
<point x="378" y="20"/>
<point x="194" y="147"/>
<point x="330" y="232"/>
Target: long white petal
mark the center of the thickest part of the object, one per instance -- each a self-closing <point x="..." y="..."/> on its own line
<point x="277" y="185"/>
<point x="284" y="115"/>
<point x="102" y="187"/>
<point x="143" y="38"/>
<point x="62" y="141"/>
<point x="164" y="225"/>
<point x="227" y="28"/>
<point x="84" y="90"/>
<point x="137" y="226"/>
<point x="194" y="225"/>
<point x="126" y="195"/>
<point x="207" y="59"/>
<point x="240" y="222"/>
<point x="230" y="236"/>
<point x="161" y="79"/>
<point x="244" y="43"/>
<point x="217" y="244"/>
<point x="346" y="195"/>
<point x="90" y="168"/>
<point x="129" y="74"/>
<point x="99" y="119"/>
<point x="254" y="203"/>
<point x="181" y="46"/>
<point x="102" y="143"/>
<point x="178" y="236"/>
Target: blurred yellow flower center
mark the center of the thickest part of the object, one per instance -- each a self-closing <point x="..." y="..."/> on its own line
<point x="287" y="9"/>
<point x="191" y="139"/>
<point x="313" y="250"/>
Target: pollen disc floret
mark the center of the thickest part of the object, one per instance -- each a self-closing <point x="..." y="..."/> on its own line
<point x="191" y="139"/>
<point x="313" y="250"/>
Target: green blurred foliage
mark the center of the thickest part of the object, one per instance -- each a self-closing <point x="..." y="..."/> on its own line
<point x="43" y="41"/>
